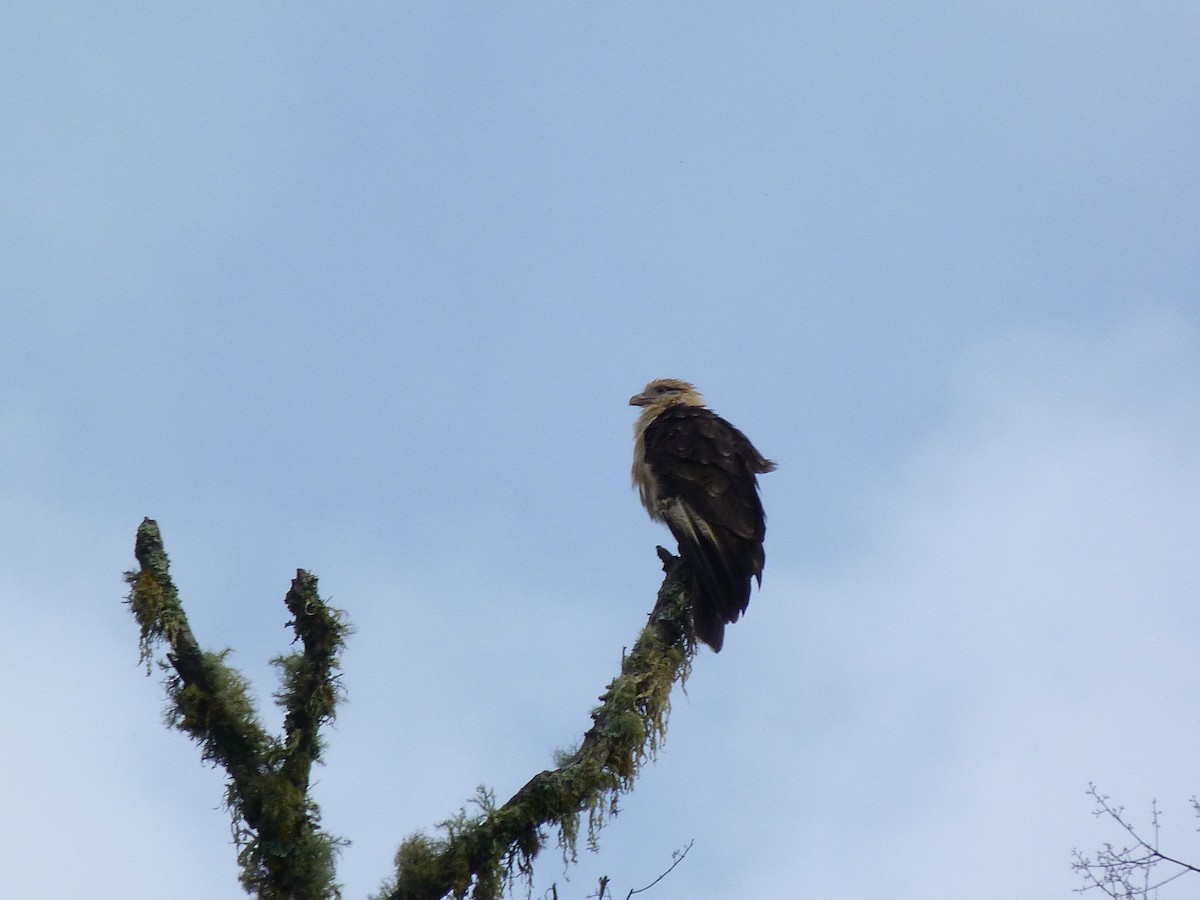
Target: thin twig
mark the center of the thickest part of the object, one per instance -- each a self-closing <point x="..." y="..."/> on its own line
<point x="677" y="856"/>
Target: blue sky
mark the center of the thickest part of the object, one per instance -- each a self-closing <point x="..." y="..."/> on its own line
<point x="364" y="290"/>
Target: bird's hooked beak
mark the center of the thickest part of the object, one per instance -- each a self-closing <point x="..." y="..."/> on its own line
<point x="639" y="400"/>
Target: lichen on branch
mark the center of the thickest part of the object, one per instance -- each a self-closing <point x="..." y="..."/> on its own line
<point x="282" y="851"/>
<point x="481" y="854"/>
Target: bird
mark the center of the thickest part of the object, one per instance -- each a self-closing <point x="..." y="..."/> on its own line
<point x="697" y="473"/>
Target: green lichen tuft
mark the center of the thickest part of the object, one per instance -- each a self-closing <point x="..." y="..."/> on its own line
<point x="282" y="851"/>
<point x="482" y="854"/>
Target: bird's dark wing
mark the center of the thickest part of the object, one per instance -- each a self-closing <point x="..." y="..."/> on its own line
<point x="705" y="471"/>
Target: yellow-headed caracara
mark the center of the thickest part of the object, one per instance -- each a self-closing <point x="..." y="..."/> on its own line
<point x="696" y="473"/>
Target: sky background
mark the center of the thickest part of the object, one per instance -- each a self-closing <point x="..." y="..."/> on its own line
<point x="364" y="290"/>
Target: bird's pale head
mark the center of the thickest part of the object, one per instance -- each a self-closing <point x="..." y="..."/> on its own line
<point x="667" y="392"/>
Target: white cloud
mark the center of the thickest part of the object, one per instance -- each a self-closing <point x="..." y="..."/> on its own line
<point x="1024" y="624"/>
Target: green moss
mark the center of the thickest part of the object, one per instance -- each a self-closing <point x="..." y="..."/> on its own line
<point x="281" y="849"/>
<point x="283" y="852"/>
<point x="482" y="854"/>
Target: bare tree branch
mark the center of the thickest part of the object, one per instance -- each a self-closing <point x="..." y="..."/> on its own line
<point x="676" y="859"/>
<point x="1126" y="872"/>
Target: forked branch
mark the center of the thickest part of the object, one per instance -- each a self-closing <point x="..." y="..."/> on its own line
<point x="282" y="851"/>
<point x="1130" y="870"/>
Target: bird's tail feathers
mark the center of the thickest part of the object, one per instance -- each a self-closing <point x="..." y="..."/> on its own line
<point x="720" y="591"/>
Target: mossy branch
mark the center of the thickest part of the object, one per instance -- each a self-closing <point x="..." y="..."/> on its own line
<point x="283" y="853"/>
<point x="482" y="854"/>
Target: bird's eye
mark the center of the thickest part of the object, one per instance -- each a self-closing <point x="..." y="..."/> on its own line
<point x="662" y="389"/>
